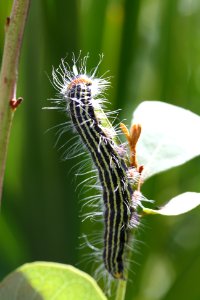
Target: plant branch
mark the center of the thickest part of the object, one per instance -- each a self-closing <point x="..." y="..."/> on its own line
<point x="121" y="290"/>
<point x="14" y="29"/>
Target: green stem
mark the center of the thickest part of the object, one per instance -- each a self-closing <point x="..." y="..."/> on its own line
<point x="121" y="290"/>
<point x="8" y="77"/>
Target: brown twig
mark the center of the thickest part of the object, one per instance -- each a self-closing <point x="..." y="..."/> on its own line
<point x="14" y="30"/>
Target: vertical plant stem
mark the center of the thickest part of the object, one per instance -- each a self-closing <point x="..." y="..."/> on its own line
<point x="14" y="29"/>
<point x="121" y="290"/>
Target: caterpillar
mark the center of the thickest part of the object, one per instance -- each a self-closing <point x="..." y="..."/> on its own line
<point x="81" y="95"/>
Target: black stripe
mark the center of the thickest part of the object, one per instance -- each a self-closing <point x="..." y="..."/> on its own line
<point x="82" y="112"/>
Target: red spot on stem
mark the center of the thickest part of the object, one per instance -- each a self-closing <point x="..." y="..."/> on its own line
<point x="141" y="168"/>
<point x="14" y="103"/>
<point x="7" y="21"/>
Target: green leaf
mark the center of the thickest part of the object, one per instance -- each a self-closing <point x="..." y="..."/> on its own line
<point x="177" y="205"/>
<point x="44" y="281"/>
<point x="169" y="136"/>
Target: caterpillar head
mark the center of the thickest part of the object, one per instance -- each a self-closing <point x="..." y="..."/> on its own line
<point x="80" y="80"/>
<point x="66" y="77"/>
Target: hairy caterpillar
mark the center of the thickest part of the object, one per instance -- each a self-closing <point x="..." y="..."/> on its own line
<point x="81" y="94"/>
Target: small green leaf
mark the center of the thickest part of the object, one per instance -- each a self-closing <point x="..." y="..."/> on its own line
<point x="169" y="136"/>
<point x="45" y="281"/>
<point x="177" y="205"/>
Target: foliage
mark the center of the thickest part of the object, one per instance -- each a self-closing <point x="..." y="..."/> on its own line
<point x="49" y="281"/>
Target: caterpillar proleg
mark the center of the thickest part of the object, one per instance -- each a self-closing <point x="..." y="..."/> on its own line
<point x="81" y="96"/>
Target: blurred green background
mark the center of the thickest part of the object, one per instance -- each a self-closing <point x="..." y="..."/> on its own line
<point x="152" y="51"/>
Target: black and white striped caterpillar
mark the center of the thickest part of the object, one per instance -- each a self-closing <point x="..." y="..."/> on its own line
<point x="81" y="94"/>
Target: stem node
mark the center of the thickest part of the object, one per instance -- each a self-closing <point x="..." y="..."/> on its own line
<point x="14" y="103"/>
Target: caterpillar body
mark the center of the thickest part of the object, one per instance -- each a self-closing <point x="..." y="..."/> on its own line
<point x="80" y="92"/>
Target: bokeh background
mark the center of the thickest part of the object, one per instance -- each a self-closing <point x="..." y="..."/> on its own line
<point x="152" y="51"/>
